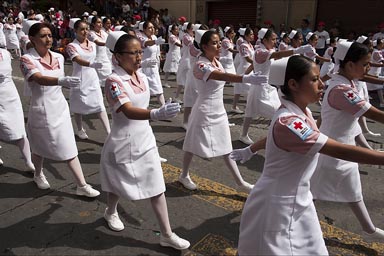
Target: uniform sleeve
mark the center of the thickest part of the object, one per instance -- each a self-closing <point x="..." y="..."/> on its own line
<point x="292" y="134"/>
<point x="244" y="51"/>
<point x="143" y="40"/>
<point x="262" y="55"/>
<point x="28" y="67"/>
<point x="72" y="52"/>
<point x="312" y="54"/>
<point x="92" y="36"/>
<point x="226" y="44"/>
<point x="377" y="57"/>
<point x="346" y="99"/>
<point x="115" y="93"/>
<point x="330" y="51"/>
<point x="173" y="39"/>
<point x="202" y="70"/>
<point x="187" y="40"/>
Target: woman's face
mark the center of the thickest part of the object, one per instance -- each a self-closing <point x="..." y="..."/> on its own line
<point x="311" y="87"/>
<point x="250" y="37"/>
<point x="43" y="40"/>
<point x="213" y="46"/>
<point x="270" y="42"/>
<point x="314" y="41"/>
<point x="82" y="31"/>
<point x="130" y="57"/>
<point x="10" y="21"/>
<point x="231" y="35"/>
<point x="150" y="30"/>
<point x="107" y="24"/>
<point x="297" y="42"/>
<point x="97" y="25"/>
<point x="360" y="68"/>
<point x="175" y="31"/>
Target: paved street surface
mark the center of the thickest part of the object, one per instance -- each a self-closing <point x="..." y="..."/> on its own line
<point x="57" y="222"/>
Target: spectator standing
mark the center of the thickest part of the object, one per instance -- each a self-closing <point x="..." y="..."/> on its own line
<point x="323" y="35"/>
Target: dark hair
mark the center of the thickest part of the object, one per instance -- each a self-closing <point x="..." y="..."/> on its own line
<point x="332" y="40"/>
<point x="206" y="38"/>
<point x="229" y="31"/>
<point x="127" y="29"/>
<point x="77" y="24"/>
<point x="189" y="26"/>
<point x="312" y="37"/>
<point x="306" y="21"/>
<point x="122" y="41"/>
<point x="248" y="31"/>
<point x="204" y="27"/>
<point x="105" y="20"/>
<point x="268" y="34"/>
<point x="35" y="28"/>
<point x="297" y="67"/>
<point x="146" y="23"/>
<point x="356" y="52"/>
<point x="378" y="41"/>
<point x="94" y="19"/>
<point x="297" y="35"/>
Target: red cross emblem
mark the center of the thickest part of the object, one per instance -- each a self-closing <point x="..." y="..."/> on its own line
<point x="298" y="125"/>
<point x="350" y="95"/>
<point x="113" y="87"/>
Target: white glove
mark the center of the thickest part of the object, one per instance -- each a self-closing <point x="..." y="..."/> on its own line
<point x="242" y="154"/>
<point x="96" y="65"/>
<point x="149" y="63"/>
<point x="69" y="81"/>
<point x="303" y="49"/>
<point x="159" y="40"/>
<point x="255" y="78"/>
<point x="167" y="111"/>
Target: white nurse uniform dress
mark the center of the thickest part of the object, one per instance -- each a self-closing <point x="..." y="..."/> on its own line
<point x="130" y="162"/>
<point x="335" y="179"/>
<point x="262" y="99"/>
<point x="226" y="56"/>
<point x="87" y="98"/>
<point x="190" y="91"/>
<point x="279" y="217"/>
<point x="101" y="55"/>
<point x="12" y="41"/>
<point x="11" y="111"/>
<point x="152" y="73"/>
<point x="173" y="56"/>
<point x="184" y="65"/>
<point x="246" y="50"/>
<point x="49" y="126"/>
<point x="208" y="133"/>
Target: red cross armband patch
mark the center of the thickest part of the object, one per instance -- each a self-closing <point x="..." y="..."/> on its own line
<point x="300" y="128"/>
<point x="203" y="67"/>
<point x="114" y="89"/>
<point x="352" y="97"/>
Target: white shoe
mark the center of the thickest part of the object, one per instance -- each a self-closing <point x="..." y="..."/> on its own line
<point x="29" y="167"/>
<point x="174" y="241"/>
<point x="187" y="183"/>
<point x="245" y="187"/>
<point x="231" y="124"/>
<point x="113" y="221"/>
<point x="177" y="100"/>
<point x="82" y="134"/>
<point x="378" y="234"/>
<point x="1" y="162"/>
<point x="163" y="160"/>
<point x="166" y="85"/>
<point x="41" y="181"/>
<point x="372" y="134"/>
<point x="236" y="110"/>
<point x="87" y="191"/>
<point x="246" y="140"/>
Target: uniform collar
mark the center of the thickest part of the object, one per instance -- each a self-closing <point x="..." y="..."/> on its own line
<point x="343" y="80"/>
<point x="292" y="107"/>
<point x="36" y="56"/>
<point x="123" y="74"/>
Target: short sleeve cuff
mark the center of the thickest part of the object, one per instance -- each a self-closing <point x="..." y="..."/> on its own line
<point x="320" y="142"/>
<point x="363" y="110"/>
<point x="120" y="103"/>
<point x="31" y="73"/>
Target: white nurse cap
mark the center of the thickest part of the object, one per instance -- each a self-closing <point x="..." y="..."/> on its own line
<point x="361" y="39"/>
<point x="141" y="26"/>
<point x="118" y="28"/>
<point x="262" y="33"/>
<point x="309" y="36"/>
<point x="39" y="17"/>
<point x="72" y="22"/>
<point x="277" y="71"/>
<point x="112" y="39"/>
<point x="27" y="24"/>
<point x="169" y="28"/>
<point x="198" y="35"/>
<point x="90" y="19"/>
<point x="292" y="34"/>
<point x="282" y="34"/>
<point x="242" y="31"/>
<point x="195" y="27"/>
<point x="374" y="43"/>
<point x="226" y="29"/>
<point x="184" y="27"/>
<point x="341" y="50"/>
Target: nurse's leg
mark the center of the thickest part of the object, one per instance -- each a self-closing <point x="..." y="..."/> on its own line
<point x="112" y="202"/>
<point x="159" y="205"/>
<point x="364" y="127"/>
<point x="25" y="150"/>
<point x="77" y="171"/>
<point x="236" y="98"/>
<point x="104" y="120"/>
<point x="187" y="113"/>
<point x="160" y="99"/>
<point x="362" y="141"/>
<point x="111" y="215"/>
<point x="38" y="163"/>
<point x="232" y="166"/>
<point x="79" y="121"/>
<point x="184" y="175"/>
<point x="362" y="215"/>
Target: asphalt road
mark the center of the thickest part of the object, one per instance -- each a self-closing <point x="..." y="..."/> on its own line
<point x="57" y="222"/>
